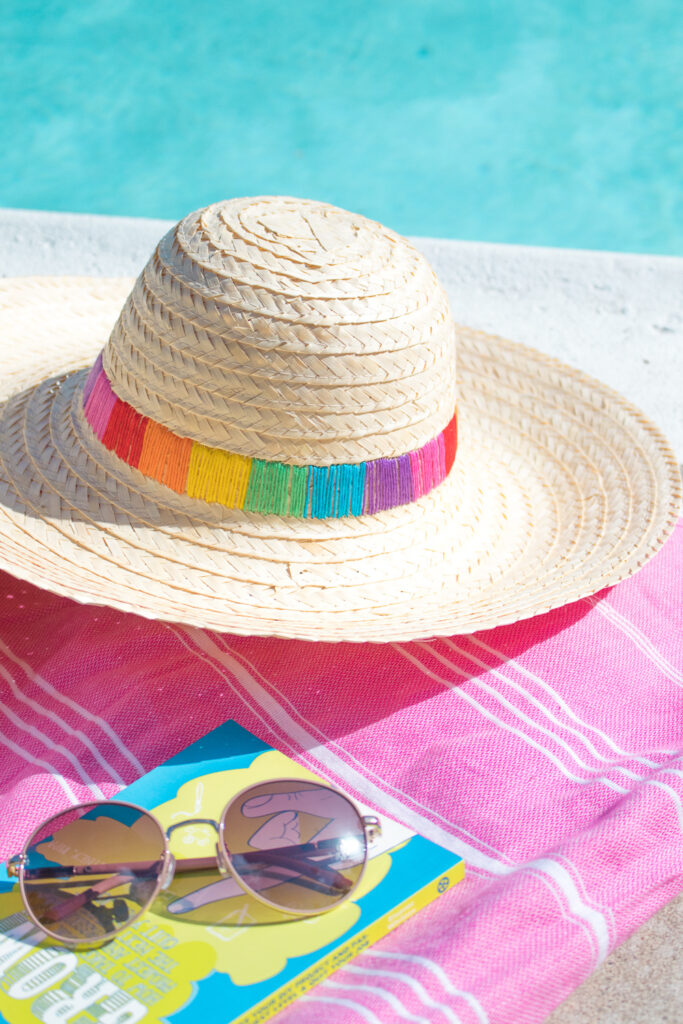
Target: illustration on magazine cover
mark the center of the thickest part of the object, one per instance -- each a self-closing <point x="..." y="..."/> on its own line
<point x="204" y="931"/>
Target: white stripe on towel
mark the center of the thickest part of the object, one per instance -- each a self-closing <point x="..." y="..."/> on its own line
<point x="48" y="688"/>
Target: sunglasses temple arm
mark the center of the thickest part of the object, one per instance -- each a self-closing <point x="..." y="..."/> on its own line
<point x="278" y="858"/>
<point x="69" y="906"/>
<point x="284" y="859"/>
<point x="74" y="903"/>
<point x="186" y="864"/>
<point x="66" y="907"/>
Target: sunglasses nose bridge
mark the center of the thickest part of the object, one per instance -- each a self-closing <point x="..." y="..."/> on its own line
<point x="191" y="821"/>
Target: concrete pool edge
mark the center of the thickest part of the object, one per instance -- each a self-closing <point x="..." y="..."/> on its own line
<point x="617" y="316"/>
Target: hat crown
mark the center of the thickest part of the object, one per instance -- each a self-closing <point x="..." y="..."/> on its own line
<point x="287" y="330"/>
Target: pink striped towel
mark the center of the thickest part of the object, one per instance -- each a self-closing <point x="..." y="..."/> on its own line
<point x="546" y="753"/>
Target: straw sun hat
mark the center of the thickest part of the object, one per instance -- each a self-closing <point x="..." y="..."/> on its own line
<point x="275" y="440"/>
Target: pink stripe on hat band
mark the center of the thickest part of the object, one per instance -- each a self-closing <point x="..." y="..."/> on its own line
<point x="92" y="378"/>
<point x="100" y="405"/>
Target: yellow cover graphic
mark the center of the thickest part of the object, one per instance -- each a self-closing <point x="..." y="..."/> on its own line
<point x="205" y="941"/>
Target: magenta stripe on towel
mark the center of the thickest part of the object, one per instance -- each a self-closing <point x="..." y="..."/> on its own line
<point x="561" y="848"/>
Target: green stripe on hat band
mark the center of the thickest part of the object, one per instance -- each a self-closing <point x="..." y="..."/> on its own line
<point x="256" y="485"/>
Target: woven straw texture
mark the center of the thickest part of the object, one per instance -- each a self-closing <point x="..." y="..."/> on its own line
<point x="560" y="487"/>
<point x="290" y="331"/>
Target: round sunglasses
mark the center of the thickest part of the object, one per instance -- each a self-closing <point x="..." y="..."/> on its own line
<point x="89" y="872"/>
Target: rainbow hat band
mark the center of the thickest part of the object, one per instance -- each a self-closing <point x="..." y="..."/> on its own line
<point x="278" y="355"/>
<point x="256" y="485"/>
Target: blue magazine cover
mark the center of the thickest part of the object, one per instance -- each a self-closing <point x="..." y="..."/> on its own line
<point x="204" y="942"/>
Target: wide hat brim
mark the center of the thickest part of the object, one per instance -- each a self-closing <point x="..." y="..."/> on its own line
<point x="560" y="488"/>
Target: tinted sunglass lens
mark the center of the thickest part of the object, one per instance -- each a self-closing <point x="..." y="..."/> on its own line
<point x="298" y="845"/>
<point x="90" y="871"/>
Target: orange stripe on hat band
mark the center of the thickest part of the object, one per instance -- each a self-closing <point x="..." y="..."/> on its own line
<point x="256" y="485"/>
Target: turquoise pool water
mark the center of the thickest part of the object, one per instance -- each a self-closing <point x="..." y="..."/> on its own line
<point x="549" y="122"/>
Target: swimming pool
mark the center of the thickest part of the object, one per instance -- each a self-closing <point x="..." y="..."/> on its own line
<point x="555" y="122"/>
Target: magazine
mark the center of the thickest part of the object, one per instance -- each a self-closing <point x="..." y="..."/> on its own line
<point x="204" y="942"/>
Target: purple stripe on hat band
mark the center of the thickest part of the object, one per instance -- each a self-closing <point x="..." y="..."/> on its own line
<point x="388" y="484"/>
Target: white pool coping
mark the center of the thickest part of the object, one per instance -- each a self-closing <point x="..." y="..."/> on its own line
<point x="616" y="316"/>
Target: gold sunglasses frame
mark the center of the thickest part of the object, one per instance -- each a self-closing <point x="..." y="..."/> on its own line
<point x="370" y="828"/>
